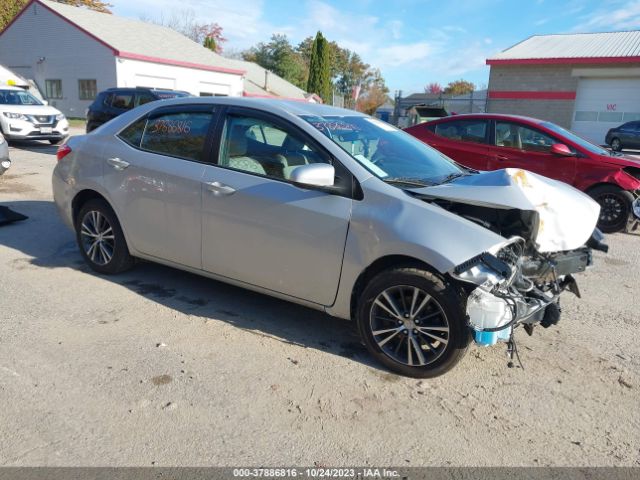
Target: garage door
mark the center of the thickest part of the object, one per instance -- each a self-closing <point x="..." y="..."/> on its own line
<point x="604" y="103"/>
<point x="151" y="81"/>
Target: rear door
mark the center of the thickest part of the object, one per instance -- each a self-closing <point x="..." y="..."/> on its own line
<point x="518" y="145"/>
<point x="465" y="141"/>
<point x="154" y="175"/>
<point x="260" y="228"/>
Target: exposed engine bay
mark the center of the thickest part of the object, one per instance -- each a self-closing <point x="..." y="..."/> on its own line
<point x="519" y="281"/>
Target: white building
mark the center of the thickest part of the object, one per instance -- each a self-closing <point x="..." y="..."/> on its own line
<point x="73" y="53"/>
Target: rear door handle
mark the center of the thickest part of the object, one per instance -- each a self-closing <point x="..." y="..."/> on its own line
<point x="117" y="163"/>
<point x="219" y="189"/>
<point x="502" y="158"/>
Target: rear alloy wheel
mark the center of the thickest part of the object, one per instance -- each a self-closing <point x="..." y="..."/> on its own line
<point x="615" y="207"/>
<point x="412" y="322"/>
<point x="100" y="238"/>
<point x="616" y="145"/>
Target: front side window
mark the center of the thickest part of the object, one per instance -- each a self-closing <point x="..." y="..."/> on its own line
<point x="257" y="146"/>
<point x="518" y="136"/>
<point x="474" y="131"/>
<point x="179" y="134"/>
<point x="387" y="152"/>
<point x="17" y="97"/>
<point x="88" y="89"/>
<point x="53" y="88"/>
<point x="142" y="98"/>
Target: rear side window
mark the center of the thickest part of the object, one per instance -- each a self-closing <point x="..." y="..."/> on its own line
<point x="179" y="135"/>
<point x="133" y="133"/>
<point x="123" y="101"/>
<point x="142" y="98"/>
<point x="474" y="131"/>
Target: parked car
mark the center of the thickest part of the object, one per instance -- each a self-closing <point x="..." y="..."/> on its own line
<point x="5" y="161"/>
<point x="626" y="135"/>
<point x="492" y="141"/>
<point x="331" y="209"/>
<point x="115" y="101"/>
<point x="25" y="117"/>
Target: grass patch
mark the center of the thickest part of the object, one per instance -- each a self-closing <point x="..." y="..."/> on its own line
<point x="76" y="122"/>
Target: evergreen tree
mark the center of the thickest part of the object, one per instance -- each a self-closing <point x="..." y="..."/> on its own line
<point x="320" y="69"/>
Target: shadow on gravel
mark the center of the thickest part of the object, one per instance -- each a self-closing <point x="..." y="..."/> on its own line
<point x="35" y="146"/>
<point x="47" y="243"/>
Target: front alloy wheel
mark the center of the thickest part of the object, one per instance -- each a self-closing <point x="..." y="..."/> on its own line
<point x="409" y="326"/>
<point x="615" y="207"/>
<point x="413" y="322"/>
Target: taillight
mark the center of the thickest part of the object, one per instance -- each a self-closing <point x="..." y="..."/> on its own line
<point x="63" y="151"/>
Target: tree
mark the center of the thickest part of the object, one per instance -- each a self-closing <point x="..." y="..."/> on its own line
<point x="279" y="56"/>
<point x="434" y="88"/>
<point x="213" y="39"/>
<point x="320" y="69"/>
<point x="10" y="8"/>
<point x="459" y="87"/>
<point x="373" y="98"/>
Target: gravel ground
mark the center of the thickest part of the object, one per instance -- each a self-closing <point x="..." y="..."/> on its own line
<point x="161" y="367"/>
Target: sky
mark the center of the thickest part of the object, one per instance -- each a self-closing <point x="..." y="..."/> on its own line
<point x="413" y="42"/>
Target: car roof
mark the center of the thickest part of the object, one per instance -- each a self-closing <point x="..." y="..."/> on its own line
<point x="487" y="116"/>
<point x="292" y="107"/>
<point x="11" y="87"/>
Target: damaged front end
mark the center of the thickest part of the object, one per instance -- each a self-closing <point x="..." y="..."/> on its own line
<point x="549" y="231"/>
<point x="516" y="285"/>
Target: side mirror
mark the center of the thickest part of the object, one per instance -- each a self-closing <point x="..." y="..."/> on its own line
<point x="316" y="174"/>
<point x="562" y="150"/>
<point x="46" y="102"/>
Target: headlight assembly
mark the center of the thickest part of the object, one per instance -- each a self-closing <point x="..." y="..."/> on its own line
<point x="59" y="117"/>
<point x="483" y="269"/>
<point x="15" y="116"/>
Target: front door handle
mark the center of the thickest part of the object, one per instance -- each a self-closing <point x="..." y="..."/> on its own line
<point x="219" y="189"/>
<point x="117" y="163"/>
<point x="502" y="158"/>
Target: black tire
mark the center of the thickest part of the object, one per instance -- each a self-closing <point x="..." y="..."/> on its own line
<point x="616" y="144"/>
<point x="440" y="351"/>
<point x="615" y="207"/>
<point x="119" y="260"/>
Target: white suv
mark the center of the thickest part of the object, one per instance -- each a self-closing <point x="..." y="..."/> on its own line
<point x="24" y="117"/>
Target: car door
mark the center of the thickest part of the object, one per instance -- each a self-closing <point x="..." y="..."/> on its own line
<point x="632" y="135"/>
<point x="154" y="174"/>
<point x="465" y="141"/>
<point x="517" y="145"/>
<point x="260" y="228"/>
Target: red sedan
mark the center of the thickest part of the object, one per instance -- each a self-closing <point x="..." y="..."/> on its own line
<point x="492" y="142"/>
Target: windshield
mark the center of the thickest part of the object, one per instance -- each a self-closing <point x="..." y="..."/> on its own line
<point x="387" y="152"/>
<point x="587" y="145"/>
<point x="17" y="97"/>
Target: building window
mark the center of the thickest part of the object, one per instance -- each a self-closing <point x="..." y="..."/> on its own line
<point x="88" y="89"/>
<point x="53" y="88"/>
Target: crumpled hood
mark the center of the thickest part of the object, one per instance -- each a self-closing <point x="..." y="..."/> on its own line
<point x="567" y="216"/>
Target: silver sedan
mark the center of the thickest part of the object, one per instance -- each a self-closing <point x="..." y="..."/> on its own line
<point x="331" y="209"/>
<point x="5" y="162"/>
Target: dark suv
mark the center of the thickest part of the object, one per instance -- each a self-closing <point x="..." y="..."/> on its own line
<point x="115" y="101"/>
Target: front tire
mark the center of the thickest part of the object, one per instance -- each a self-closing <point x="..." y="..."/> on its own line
<point x="100" y="238"/>
<point x="616" y="144"/>
<point x="412" y="321"/>
<point x="615" y="207"/>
